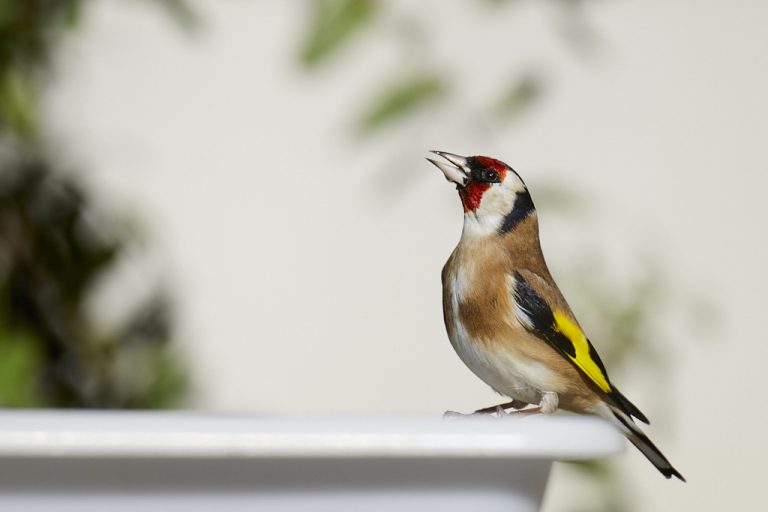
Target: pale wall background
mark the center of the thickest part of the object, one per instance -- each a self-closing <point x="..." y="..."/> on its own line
<point x="306" y="261"/>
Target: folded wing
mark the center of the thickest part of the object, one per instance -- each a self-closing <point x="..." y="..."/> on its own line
<point x="552" y="322"/>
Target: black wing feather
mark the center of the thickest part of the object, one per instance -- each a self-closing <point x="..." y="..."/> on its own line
<point x="543" y="324"/>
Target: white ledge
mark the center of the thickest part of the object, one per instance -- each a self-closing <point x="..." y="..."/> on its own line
<point x="112" y="434"/>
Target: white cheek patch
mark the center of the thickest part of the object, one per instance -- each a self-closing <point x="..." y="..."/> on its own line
<point x="497" y="200"/>
<point x="496" y="204"/>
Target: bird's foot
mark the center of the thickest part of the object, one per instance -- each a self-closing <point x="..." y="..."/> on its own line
<point x="549" y="402"/>
<point x="501" y="408"/>
<point x="494" y="410"/>
<point x="525" y="412"/>
<point x="547" y="405"/>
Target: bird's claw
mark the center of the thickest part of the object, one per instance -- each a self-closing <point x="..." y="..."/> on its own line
<point x="513" y="408"/>
<point x="497" y="412"/>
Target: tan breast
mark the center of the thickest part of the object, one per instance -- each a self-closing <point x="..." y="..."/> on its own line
<point x="478" y="309"/>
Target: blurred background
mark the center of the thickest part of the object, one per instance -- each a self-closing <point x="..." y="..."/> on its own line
<point x="225" y="206"/>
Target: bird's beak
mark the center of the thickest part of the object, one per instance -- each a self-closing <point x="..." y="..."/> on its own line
<point x="455" y="170"/>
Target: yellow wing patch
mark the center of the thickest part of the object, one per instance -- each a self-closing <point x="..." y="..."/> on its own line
<point x="583" y="360"/>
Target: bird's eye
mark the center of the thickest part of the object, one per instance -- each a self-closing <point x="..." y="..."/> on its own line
<point x="490" y="176"/>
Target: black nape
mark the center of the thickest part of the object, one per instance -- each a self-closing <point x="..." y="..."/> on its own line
<point x="522" y="208"/>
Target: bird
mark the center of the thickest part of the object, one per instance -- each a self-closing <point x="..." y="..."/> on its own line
<point x="506" y="317"/>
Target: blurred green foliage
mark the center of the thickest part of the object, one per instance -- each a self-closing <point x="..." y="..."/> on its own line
<point x="519" y="94"/>
<point x="332" y="24"/>
<point x="57" y="246"/>
<point x="400" y="98"/>
<point x="28" y="32"/>
<point x="625" y="320"/>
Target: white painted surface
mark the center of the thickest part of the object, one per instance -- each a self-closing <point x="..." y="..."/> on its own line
<point x="190" y="434"/>
<point x="96" y="461"/>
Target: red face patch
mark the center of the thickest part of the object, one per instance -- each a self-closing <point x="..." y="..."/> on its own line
<point x="472" y="194"/>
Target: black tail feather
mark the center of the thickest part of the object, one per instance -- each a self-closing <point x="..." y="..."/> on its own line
<point x="646" y="446"/>
<point x="628" y="407"/>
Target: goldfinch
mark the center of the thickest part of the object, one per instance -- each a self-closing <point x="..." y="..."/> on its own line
<point x="506" y="317"/>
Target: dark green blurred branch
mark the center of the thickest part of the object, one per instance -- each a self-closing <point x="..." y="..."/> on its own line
<point x="29" y="31"/>
<point x="57" y="246"/>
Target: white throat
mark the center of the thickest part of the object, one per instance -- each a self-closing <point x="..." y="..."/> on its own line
<point x="479" y="226"/>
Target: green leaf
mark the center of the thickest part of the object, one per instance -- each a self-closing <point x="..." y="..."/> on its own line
<point x="519" y="95"/>
<point x="591" y="468"/>
<point x="182" y="13"/>
<point x="169" y="379"/>
<point x="400" y="99"/>
<point x="332" y="25"/>
<point x="18" y="103"/>
<point x="8" y="12"/>
<point x="20" y="365"/>
<point x="72" y="13"/>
